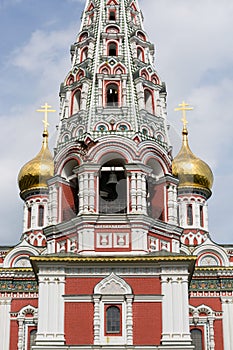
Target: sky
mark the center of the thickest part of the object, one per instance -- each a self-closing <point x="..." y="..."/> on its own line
<point x="194" y="56"/>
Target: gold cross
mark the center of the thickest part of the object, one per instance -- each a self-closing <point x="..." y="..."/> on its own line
<point x="184" y="107"/>
<point x="46" y="109"/>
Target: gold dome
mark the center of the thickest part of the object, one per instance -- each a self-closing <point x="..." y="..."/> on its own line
<point x="36" y="172"/>
<point x="191" y="170"/>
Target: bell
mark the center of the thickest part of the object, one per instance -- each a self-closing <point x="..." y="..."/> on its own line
<point x="112" y="178"/>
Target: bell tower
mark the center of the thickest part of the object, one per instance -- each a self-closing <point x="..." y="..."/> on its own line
<point x="113" y="155"/>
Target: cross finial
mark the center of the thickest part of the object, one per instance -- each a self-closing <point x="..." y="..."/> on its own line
<point x="184" y="107"/>
<point x="46" y="109"/>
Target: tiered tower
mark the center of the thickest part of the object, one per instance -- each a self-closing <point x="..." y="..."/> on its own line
<point x="113" y="156"/>
<point x="113" y="242"/>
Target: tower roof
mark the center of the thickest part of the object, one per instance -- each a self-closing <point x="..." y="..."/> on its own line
<point x="35" y="173"/>
<point x="191" y="171"/>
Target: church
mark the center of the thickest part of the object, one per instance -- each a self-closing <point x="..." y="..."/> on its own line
<point x="115" y="251"/>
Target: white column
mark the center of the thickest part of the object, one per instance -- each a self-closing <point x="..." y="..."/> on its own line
<point x="5" y="308"/>
<point x="91" y="193"/>
<point x="96" y="299"/>
<point x="81" y="203"/>
<point x="129" y="320"/>
<point x="175" y="307"/>
<point x="144" y="203"/>
<point x="139" y="192"/>
<point x="85" y="192"/>
<point x="51" y="310"/>
<point x="133" y="193"/>
<point x="53" y="204"/>
<point x="25" y="217"/>
<point x="227" y="308"/>
<point x="172" y="209"/>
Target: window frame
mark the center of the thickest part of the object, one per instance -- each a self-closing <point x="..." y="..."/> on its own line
<point x="109" y="332"/>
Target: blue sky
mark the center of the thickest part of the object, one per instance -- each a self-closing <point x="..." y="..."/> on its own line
<point x="194" y="57"/>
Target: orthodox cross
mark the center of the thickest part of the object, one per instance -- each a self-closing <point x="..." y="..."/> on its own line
<point x="184" y="107"/>
<point x="46" y="109"/>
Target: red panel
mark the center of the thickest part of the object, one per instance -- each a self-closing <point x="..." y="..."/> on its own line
<point x="144" y="285"/>
<point x="147" y="323"/>
<point x="13" y="335"/>
<point x="67" y="203"/>
<point x="18" y="304"/>
<point x="214" y="303"/>
<point x="79" y="323"/>
<point x="81" y="285"/>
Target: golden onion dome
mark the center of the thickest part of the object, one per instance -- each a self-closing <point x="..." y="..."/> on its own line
<point x="191" y="170"/>
<point x="35" y="173"/>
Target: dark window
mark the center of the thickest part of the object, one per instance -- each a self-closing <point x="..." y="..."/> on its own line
<point x="196" y="335"/>
<point x="41" y="216"/>
<point x="112" y="95"/>
<point x="112" y="49"/>
<point x="29" y="217"/>
<point x="148" y="101"/>
<point x="77" y="102"/>
<point x="32" y="338"/>
<point x="190" y="214"/>
<point x="201" y="216"/>
<point x="113" y="320"/>
<point x="112" y="15"/>
<point x="140" y="54"/>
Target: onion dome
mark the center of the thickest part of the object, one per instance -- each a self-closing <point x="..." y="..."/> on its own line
<point x="191" y="170"/>
<point x="34" y="174"/>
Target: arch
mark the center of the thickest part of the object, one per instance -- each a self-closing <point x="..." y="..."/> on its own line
<point x="84" y="54"/>
<point x="83" y="36"/>
<point x="113" y="187"/>
<point x="70" y="79"/>
<point x="76" y="101"/>
<point x="149" y="101"/>
<point x="105" y="69"/>
<point x="22" y="250"/>
<point x="119" y="69"/>
<point x="209" y="248"/>
<point x="144" y="74"/>
<point x="80" y="74"/>
<point x="141" y="35"/>
<point x="112" y="29"/>
<point x="67" y="170"/>
<point x="155" y="79"/>
<point x="112" y="95"/>
<point x="140" y="54"/>
<point x="112" y="285"/>
<point x="112" y="48"/>
<point x="102" y="127"/>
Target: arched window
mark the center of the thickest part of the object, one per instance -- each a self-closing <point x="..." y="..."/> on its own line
<point x="112" y="96"/>
<point x="196" y="335"/>
<point x="140" y="54"/>
<point x="29" y="217"/>
<point x="112" y="49"/>
<point x="84" y="54"/>
<point x="76" y="102"/>
<point x="148" y="101"/>
<point x="189" y="214"/>
<point x="41" y="215"/>
<point x="112" y="15"/>
<point x="113" y="324"/>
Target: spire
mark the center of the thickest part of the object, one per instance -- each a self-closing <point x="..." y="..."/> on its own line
<point x="112" y="86"/>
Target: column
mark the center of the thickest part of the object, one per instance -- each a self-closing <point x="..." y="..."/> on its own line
<point x="175" y="307"/>
<point x="5" y="308"/>
<point x="172" y="204"/>
<point x="85" y="192"/>
<point x="92" y="193"/>
<point x="144" y="203"/>
<point x="139" y="192"/>
<point x="227" y="308"/>
<point x="133" y="193"/>
<point x="53" y="204"/>
<point x="96" y="299"/>
<point x="81" y="194"/>
<point x="51" y="310"/>
<point x="129" y="320"/>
